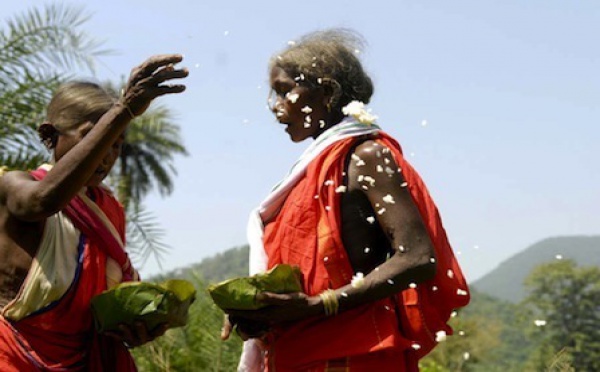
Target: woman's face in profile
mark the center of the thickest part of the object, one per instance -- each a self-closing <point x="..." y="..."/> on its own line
<point x="70" y="138"/>
<point x="296" y="105"/>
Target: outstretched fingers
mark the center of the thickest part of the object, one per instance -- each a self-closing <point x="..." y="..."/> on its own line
<point x="152" y="79"/>
<point x="148" y="67"/>
<point x="155" y="86"/>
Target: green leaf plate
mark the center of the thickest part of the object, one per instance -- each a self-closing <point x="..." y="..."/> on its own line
<point x="153" y="304"/>
<point x="240" y="293"/>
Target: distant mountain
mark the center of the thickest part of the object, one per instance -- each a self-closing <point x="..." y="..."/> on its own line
<point x="231" y="263"/>
<point x="506" y="281"/>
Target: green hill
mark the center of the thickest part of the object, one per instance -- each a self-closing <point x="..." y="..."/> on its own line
<point x="231" y="263"/>
<point x="506" y="281"/>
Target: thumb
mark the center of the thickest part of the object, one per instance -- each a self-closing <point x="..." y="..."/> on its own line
<point x="227" y="327"/>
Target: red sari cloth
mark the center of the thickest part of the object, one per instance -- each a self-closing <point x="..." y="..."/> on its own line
<point x="61" y="336"/>
<point x="379" y="336"/>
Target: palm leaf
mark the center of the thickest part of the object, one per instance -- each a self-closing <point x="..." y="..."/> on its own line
<point x="145" y="237"/>
<point x="37" y="50"/>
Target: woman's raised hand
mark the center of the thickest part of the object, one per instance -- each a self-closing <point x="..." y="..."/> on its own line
<point x="149" y="80"/>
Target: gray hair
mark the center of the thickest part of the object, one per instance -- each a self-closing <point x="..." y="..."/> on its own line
<point x="329" y="58"/>
<point x="75" y="103"/>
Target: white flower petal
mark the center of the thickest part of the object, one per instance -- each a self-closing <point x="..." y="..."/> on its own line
<point x="292" y="97"/>
<point x="358" y="280"/>
<point x="389" y="199"/>
<point x="341" y="189"/>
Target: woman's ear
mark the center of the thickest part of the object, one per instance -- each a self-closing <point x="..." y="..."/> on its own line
<point x="48" y="134"/>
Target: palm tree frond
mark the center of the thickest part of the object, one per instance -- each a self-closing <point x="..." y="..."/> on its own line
<point x="144" y="236"/>
<point x="44" y="40"/>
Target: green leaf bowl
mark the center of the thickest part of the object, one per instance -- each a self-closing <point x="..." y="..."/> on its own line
<point x="240" y="293"/>
<point x="153" y="304"/>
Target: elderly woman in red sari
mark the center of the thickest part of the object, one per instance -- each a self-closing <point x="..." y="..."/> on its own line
<point x="62" y="232"/>
<point x="356" y="219"/>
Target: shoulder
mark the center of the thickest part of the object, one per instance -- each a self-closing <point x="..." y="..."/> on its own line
<point x="373" y="157"/>
<point x="372" y="164"/>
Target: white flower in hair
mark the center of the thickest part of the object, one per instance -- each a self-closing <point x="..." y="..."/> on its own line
<point x="357" y="110"/>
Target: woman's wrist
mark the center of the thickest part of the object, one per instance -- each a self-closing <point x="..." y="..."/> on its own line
<point x="124" y="109"/>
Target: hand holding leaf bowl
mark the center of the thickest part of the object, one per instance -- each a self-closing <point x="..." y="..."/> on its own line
<point x="152" y="304"/>
<point x="240" y="293"/>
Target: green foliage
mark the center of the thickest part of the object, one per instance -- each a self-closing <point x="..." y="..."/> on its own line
<point x="561" y="362"/>
<point x="567" y="298"/>
<point x="145" y="236"/>
<point x="37" y="49"/>
<point x="513" y="347"/>
<point x="475" y="340"/>
<point x="196" y="347"/>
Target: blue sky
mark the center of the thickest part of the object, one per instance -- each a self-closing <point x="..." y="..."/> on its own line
<point x="510" y="91"/>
